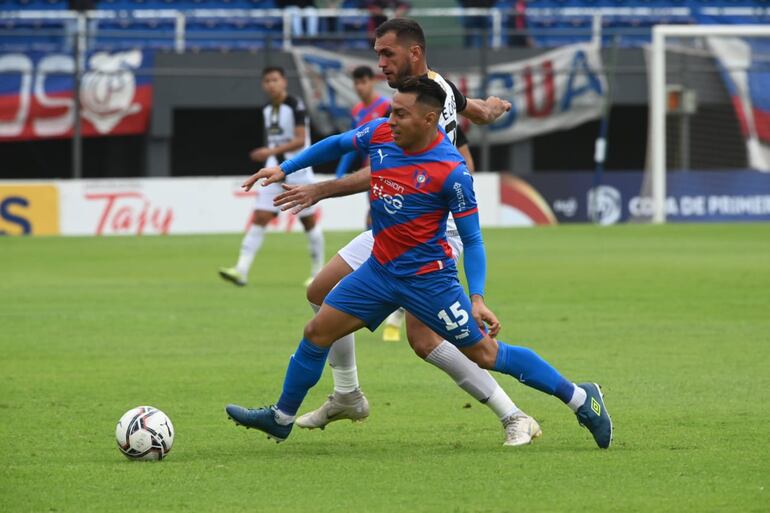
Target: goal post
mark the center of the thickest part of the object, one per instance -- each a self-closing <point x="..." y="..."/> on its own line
<point x="661" y="35"/>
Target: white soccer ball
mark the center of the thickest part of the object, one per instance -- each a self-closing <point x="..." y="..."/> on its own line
<point x="145" y="433"/>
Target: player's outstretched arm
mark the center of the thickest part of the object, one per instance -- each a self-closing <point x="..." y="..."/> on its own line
<point x="299" y="197"/>
<point x="331" y="148"/>
<point x="270" y="174"/>
<point x="484" y="112"/>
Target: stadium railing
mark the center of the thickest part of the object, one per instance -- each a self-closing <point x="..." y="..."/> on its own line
<point x="174" y="25"/>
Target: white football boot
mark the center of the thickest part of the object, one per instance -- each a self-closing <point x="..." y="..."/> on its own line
<point x="520" y="429"/>
<point x="338" y="406"/>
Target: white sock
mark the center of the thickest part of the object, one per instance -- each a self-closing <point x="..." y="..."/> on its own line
<point x="396" y="318"/>
<point x="473" y="379"/>
<point x="579" y="397"/>
<point x="315" y="239"/>
<point x="501" y="404"/>
<point x="342" y="360"/>
<point x="252" y="241"/>
<point x="282" y="418"/>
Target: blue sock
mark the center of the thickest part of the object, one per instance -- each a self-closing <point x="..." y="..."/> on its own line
<point x="528" y="367"/>
<point x="305" y="368"/>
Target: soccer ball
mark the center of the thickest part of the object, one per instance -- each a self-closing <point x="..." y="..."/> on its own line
<point x="144" y="433"/>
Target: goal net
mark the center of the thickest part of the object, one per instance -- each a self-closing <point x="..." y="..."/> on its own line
<point x="709" y="110"/>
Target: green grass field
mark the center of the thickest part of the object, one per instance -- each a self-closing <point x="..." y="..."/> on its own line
<point x="673" y="321"/>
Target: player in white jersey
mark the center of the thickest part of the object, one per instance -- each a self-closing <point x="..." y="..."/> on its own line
<point x="287" y="132"/>
<point x="400" y="46"/>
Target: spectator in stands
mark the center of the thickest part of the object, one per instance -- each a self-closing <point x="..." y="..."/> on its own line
<point x="301" y="9"/>
<point x="329" y="24"/>
<point x="377" y="15"/>
<point x="518" y="23"/>
<point x="475" y="25"/>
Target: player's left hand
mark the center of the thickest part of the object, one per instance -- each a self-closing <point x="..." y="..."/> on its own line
<point x="297" y="197"/>
<point x="498" y="106"/>
<point x="270" y="174"/>
<point x="483" y="315"/>
<point x="260" y="154"/>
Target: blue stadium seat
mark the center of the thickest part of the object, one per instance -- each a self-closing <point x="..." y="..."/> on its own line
<point x="126" y="33"/>
<point x="32" y="35"/>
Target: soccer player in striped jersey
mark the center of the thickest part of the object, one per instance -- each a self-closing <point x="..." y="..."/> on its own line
<point x="287" y="131"/>
<point x="400" y="46"/>
<point x="371" y="106"/>
<point x="417" y="179"/>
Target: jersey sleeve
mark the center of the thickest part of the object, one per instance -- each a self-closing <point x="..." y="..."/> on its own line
<point x="460" y="98"/>
<point x="462" y="140"/>
<point x="362" y="138"/>
<point x="458" y="191"/>
<point x="299" y="111"/>
<point x="323" y="151"/>
<point x="383" y="110"/>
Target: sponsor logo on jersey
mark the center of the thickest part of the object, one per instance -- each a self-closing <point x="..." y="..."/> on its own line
<point x="460" y="196"/>
<point x="389" y="192"/>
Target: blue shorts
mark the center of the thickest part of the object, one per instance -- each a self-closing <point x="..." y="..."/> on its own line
<point x="437" y="299"/>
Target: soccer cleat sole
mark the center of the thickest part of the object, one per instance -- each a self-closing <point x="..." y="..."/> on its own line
<point x="269" y="437"/>
<point x="612" y="424"/>
<point x="531" y="440"/>
<point x="354" y="421"/>
<point x="230" y="279"/>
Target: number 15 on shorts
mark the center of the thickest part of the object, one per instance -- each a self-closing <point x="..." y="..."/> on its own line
<point x="460" y="316"/>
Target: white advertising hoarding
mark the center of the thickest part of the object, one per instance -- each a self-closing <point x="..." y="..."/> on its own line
<point x="159" y="206"/>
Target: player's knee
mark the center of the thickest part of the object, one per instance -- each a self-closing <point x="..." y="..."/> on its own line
<point x="314" y="335"/>
<point x="423" y="343"/>
<point x="316" y="292"/>
<point x="483" y="353"/>
<point x="262" y="218"/>
<point x="308" y="222"/>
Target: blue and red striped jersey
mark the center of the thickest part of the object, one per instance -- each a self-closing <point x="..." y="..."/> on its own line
<point x="411" y="196"/>
<point x="364" y="113"/>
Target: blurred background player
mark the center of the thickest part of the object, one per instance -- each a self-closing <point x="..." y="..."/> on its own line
<point x="287" y="132"/>
<point x="371" y="106"/>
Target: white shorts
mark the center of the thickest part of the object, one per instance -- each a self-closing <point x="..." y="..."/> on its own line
<point x="358" y="250"/>
<point x="266" y="195"/>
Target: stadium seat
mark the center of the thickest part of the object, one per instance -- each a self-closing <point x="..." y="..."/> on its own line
<point x="35" y="35"/>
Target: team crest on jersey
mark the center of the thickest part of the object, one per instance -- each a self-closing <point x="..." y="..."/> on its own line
<point x="421" y="179"/>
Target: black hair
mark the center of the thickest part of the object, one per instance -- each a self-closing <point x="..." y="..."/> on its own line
<point x="363" y="72"/>
<point x="273" y="69"/>
<point x="428" y="91"/>
<point x="406" y="31"/>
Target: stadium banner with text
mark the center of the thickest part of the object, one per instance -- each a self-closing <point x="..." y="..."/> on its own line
<point x="29" y="209"/>
<point x="197" y="205"/>
<point x="37" y="101"/>
<point x="745" y="67"/>
<point x="693" y="196"/>
<point x="556" y="90"/>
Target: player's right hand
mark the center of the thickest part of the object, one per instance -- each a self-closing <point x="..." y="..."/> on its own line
<point x="483" y="315"/>
<point x="297" y="197"/>
<point x="270" y="175"/>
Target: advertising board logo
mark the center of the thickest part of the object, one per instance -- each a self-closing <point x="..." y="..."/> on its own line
<point x="604" y="205"/>
<point x="29" y="210"/>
